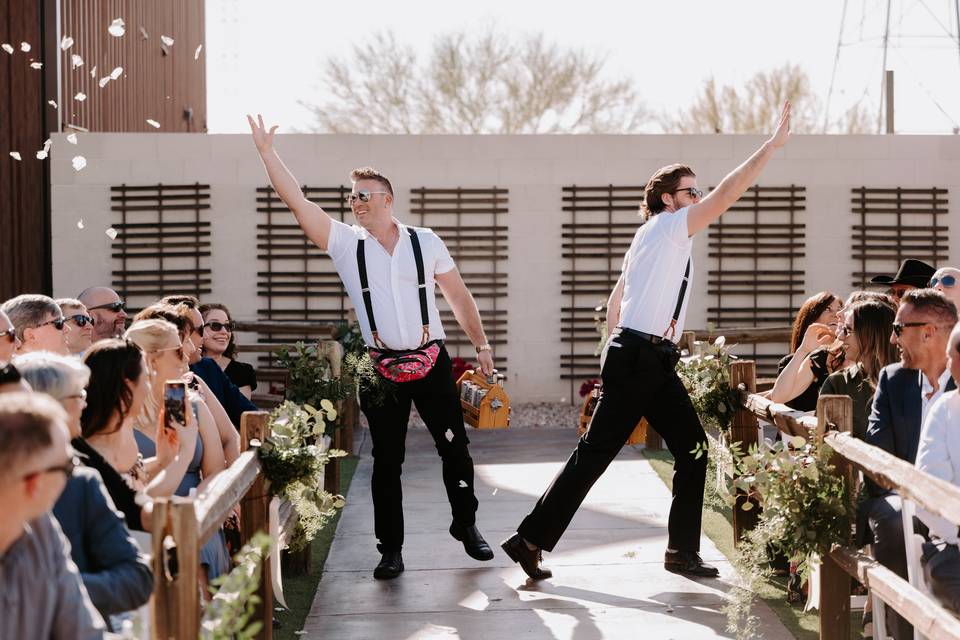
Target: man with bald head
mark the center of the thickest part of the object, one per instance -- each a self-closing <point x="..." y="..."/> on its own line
<point x="107" y="310"/>
<point x="947" y="281"/>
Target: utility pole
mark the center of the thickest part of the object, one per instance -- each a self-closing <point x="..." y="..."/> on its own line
<point x="883" y="78"/>
<point x="888" y="93"/>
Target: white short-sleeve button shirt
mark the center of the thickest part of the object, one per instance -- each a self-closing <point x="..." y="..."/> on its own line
<point x="393" y="282"/>
<point x="653" y="271"/>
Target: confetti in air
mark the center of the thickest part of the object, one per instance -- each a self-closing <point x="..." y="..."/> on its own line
<point x="80" y="97"/>
<point x="52" y="103"/>
<point x="144" y="34"/>
<point x="167" y="40"/>
<point x="196" y="54"/>
<point x="75" y="61"/>
<point x="80" y="223"/>
<point x="103" y="81"/>
<point x="112" y="233"/>
<point x="36" y="65"/>
<point x="43" y="153"/>
<point x="79" y="162"/>
<point x="15" y="155"/>
<point x="9" y="49"/>
<point x="72" y="138"/>
<point x="66" y="43"/>
<point x="495" y="491"/>
<point x="463" y="484"/>
<point x="93" y="72"/>
<point x="449" y="435"/>
<point x="25" y="47"/>
<point x="117" y="28"/>
<point x="153" y="123"/>
<point x="116" y="73"/>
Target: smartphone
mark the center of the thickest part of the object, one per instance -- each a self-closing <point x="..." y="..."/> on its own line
<point x="174" y="404"/>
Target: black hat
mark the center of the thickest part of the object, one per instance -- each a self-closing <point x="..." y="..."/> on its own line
<point x="912" y="272"/>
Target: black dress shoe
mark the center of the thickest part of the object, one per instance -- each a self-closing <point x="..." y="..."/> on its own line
<point x="473" y="543"/>
<point x="391" y="565"/>
<point x="689" y="563"/>
<point x="528" y="560"/>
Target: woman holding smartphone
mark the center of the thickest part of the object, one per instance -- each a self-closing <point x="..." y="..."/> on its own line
<point x="168" y="396"/>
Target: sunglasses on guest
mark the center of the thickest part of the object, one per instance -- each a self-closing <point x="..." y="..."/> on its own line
<point x="219" y="326"/>
<point x="81" y="320"/>
<point x="946" y="281"/>
<point x="693" y="191"/>
<point x="116" y="307"/>
<point x="10" y="334"/>
<point x="56" y="322"/>
<point x="363" y="195"/>
<point x="66" y="468"/>
<point x="899" y="327"/>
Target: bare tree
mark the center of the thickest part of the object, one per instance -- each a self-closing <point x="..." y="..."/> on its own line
<point x="486" y="83"/>
<point x="753" y="107"/>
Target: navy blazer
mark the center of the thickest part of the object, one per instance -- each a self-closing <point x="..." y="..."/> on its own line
<point x="234" y="402"/>
<point x="895" y="420"/>
<point x="117" y="576"/>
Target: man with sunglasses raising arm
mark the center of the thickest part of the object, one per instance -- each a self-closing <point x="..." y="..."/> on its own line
<point x="107" y="310"/>
<point x="389" y="271"/>
<point x="645" y="314"/>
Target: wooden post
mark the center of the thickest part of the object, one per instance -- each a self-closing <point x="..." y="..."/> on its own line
<point x="162" y="603"/>
<point x="186" y="602"/>
<point x="835" y="411"/>
<point x="349" y="414"/>
<point x="743" y="429"/>
<point x="331" y="473"/>
<point x="254" y="511"/>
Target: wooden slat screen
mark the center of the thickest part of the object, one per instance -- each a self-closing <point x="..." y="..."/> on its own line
<point x="163" y="243"/>
<point x="470" y="222"/>
<point x="602" y="223"/>
<point x="892" y="224"/>
<point x="754" y="279"/>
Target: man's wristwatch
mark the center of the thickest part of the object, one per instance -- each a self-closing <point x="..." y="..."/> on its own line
<point x="484" y="347"/>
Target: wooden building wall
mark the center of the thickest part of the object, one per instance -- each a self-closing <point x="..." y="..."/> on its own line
<point x="159" y="82"/>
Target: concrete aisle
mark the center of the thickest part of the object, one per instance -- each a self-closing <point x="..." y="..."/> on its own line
<point x="609" y="580"/>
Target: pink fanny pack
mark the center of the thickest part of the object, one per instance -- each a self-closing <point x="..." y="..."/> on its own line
<point x="406" y="366"/>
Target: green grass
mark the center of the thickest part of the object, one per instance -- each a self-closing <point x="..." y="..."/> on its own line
<point x="299" y="588"/>
<point x="718" y="525"/>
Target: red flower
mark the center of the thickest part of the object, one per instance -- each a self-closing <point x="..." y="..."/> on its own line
<point x="588" y="386"/>
<point x="460" y="366"/>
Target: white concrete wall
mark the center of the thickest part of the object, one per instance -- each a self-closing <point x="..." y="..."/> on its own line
<point x="533" y="168"/>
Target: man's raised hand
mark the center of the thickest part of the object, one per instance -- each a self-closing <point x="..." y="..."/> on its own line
<point x="262" y="138"/>
<point x="782" y="134"/>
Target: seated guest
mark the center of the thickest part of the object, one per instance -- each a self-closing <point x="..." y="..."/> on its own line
<point x="166" y="360"/>
<point x="234" y="402"/>
<point x="38" y="323"/>
<point x="119" y="384"/>
<point x="801" y="374"/>
<point x="939" y="455"/>
<point x="41" y="594"/>
<point x="947" y="282"/>
<point x="912" y="274"/>
<point x="107" y="310"/>
<point x="116" y="575"/>
<point x="79" y="327"/>
<point x="905" y="392"/>
<point x="220" y="345"/>
<point x="9" y="341"/>
<point x="865" y="333"/>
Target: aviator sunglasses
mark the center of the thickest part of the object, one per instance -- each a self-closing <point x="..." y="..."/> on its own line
<point x="947" y="282"/>
<point x="363" y="195"/>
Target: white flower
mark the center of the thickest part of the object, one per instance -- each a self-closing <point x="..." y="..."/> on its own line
<point x="66" y="43"/>
<point x="167" y="40"/>
<point x="79" y="162"/>
<point x="720" y="341"/>
<point x="117" y="28"/>
<point x="798" y="442"/>
<point x="15" y="155"/>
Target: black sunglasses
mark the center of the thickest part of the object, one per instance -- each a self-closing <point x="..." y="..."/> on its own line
<point x="81" y="320"/>
<point x="66" y="468"/>
<point x="946" y="281"/>
<point x="116" y="307"/>
<point x="56" y="322"/>
<point x="363" y="195"/>
<point x="898" y="327"/>
<point x="219" y="326"/>
<point x="693" y="191"/>
<point x="11" y="334"/>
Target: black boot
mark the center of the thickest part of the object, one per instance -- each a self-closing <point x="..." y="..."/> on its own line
<point x="688" y="563"/>
<point x="473" y="543"/>
<point x="391" y="566"/>
<point x="528" y="560"/>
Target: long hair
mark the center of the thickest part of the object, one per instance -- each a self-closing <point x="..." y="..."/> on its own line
<point x="872" y="325"/>
<point x="808" y="314"/>
<point x="231" y="350"/>
<point x="114" y="366"/>
<point x="665" y="180"/>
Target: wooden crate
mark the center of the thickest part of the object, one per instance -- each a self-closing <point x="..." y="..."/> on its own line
<point x="638" y="436"/>
<point x="493" y="410"/>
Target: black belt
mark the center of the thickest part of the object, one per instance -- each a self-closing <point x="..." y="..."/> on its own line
<point x="649" y="337"/>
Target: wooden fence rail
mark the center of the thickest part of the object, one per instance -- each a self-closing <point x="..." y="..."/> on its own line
<point x="832" y="425"/>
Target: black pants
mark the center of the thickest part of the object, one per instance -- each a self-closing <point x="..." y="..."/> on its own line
<point x="885" y="523"/>
<point x="438" y="403"/>
<point x="638" y="380"/>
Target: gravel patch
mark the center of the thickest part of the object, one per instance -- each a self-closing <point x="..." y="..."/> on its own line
<point x="526" y="415"/>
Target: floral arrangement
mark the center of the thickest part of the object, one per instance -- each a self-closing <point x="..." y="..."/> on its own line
<point x="587" y="386"/>
<point x="227" y="615"/>
<point x="293" y="463"/>
<point x="706" y="377"/>
<point x="460" y="366"/>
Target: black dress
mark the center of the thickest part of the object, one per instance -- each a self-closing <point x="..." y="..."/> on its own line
<point x="241" y="374"/>
<point x="807" y="401"/>
<point x="123" y="495"/>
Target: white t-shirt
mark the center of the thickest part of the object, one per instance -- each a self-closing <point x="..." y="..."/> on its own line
<point x="653" y="273"/>
<point x="939" y="455"/>
<point x="393" y="282"/>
